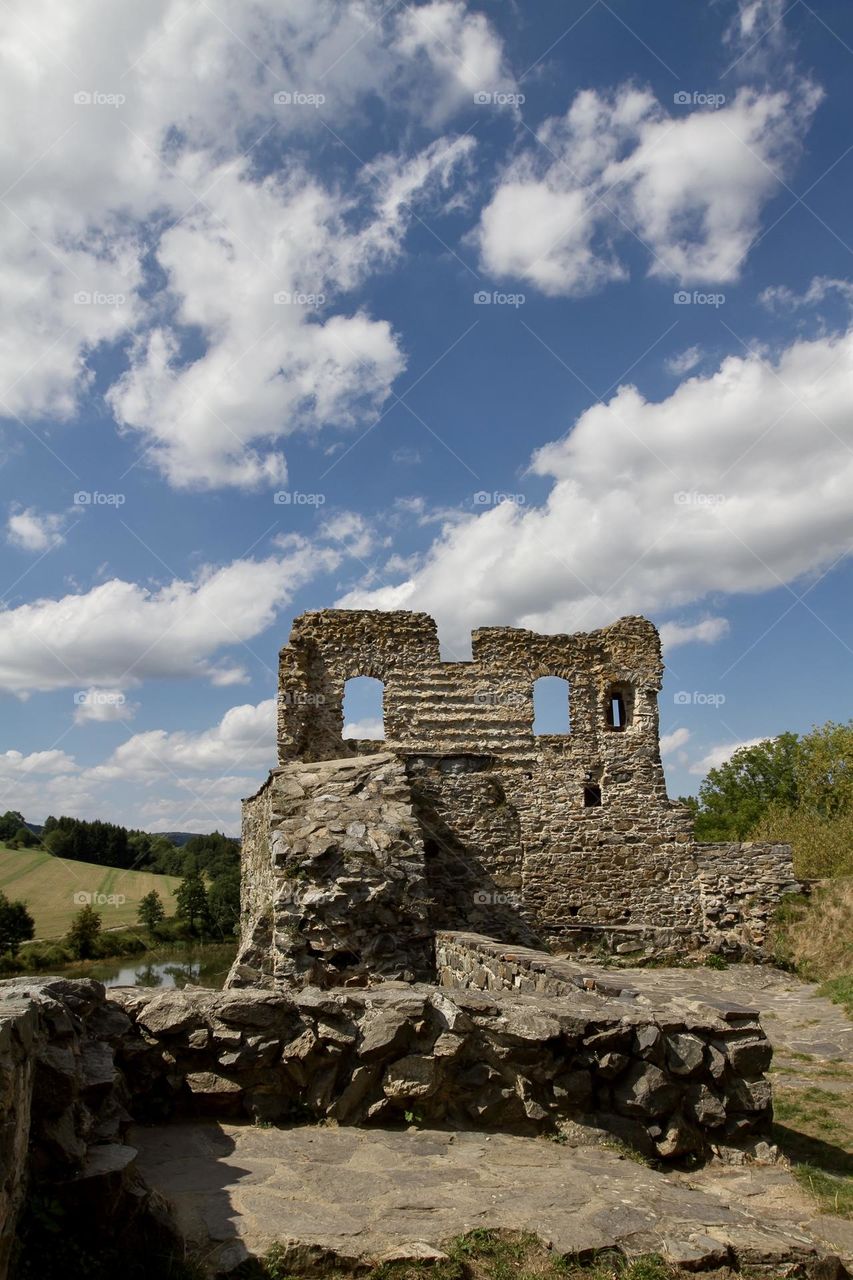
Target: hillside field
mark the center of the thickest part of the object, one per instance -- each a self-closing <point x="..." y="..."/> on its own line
<point x="48" y="886"/>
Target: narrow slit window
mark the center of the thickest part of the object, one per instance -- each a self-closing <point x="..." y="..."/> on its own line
<point x="551" y="706"/>
<point x="618" y="706"/>
<point x="592" y="796"/>
<point x="364" y="714"/>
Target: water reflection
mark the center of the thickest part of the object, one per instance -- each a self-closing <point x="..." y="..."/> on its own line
<point x="204" y="966"/>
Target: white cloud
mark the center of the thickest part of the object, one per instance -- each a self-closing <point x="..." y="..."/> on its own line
<point x="369" y="728"/>
<point x="689" y="183"/>
<point x="102" y="706"/>
<point x="781" y="298"/>
<point x="243" y="739"/>
<point x="134" y="209"/>
<point x="672" y="742"/>
<point x="684" y="361"/>
<point x="461" y="47"/>
<point x="737" y="482"/>
<point x="119" y="633"/>
<point x="33" y="532"/>
<point x="707" y="631"/>
<point x="720" y="754"/>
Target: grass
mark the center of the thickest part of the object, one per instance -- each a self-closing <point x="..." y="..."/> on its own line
<point x="839" y="990"/>
<point x="483" y="1255"/>
<point x="48" y="886"/>
<point x="814" y="1129"/>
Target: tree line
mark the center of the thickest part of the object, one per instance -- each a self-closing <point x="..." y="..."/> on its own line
<point x="794" y="789"/>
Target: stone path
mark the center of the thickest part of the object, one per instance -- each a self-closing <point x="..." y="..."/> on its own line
<point x="795" y="1018"/>
<point x="365" y="1194"/>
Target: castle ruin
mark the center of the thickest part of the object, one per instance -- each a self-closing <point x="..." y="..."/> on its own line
<point x="356" y="852"/>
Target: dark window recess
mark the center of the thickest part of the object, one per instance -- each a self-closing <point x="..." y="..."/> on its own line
<point x="592" y="796"/>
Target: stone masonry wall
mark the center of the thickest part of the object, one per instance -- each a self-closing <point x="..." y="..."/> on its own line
<point x="673" y="1079"/>
<point x="529" y="837"/>
<point x="740" y="886"/>
<point x="78" y="1065"/>
<point x="333" y="870"/>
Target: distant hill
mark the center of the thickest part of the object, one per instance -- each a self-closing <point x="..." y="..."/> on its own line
<point x="54" y="889"/>
<point x="180" y="838"/>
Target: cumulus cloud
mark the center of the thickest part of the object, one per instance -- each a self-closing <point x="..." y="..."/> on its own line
<point x="689" y="183"/>
<point x="135" y="211"/>
<point x="30" y="531"/>
<point x="672" y="742"/>
<point x="707" y="631"/>
<point x="369" y="728"/>
<point x="737" y="482"/>
<point x="684" y="361"/>
<point x="720" y="754"/>
<point x="461" y="47"/>
<point x="157" y="780"/>
<point x="243" y="739"/>
<point x="119" y="633"/>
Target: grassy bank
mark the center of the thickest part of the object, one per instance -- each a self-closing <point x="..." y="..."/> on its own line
<point x="814" y="937"/>
<point x="55" y="888"/>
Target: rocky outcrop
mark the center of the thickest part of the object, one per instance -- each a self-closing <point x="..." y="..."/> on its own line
<point x="334" y="890"/>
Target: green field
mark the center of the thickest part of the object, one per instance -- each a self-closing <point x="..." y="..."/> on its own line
<point x="48" y="886"/>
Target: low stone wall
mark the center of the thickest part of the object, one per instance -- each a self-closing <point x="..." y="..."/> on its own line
<point x="685" y="1077"/>
<point x="740" y="886"/>
<point x="60" y="1091"/>
<point x="78" y="1064"/>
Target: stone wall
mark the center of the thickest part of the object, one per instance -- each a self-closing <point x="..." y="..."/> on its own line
<point x="740" y="886"/>
<point x="60" y="1092"/>
<point x="78" y="1064"/>
<point x="678" y="1078"/>
<point x="334" y="886"/>
<point x="527" y="837"/>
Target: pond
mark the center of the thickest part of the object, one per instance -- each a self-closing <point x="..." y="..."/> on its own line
<point x="203" y="966"/>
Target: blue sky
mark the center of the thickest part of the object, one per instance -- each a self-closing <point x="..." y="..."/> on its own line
<point x="530" y="315"/>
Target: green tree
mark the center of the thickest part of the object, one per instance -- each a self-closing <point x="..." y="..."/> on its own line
<point x="10" y="822"/>
<point x="223" y="901"/>
<point x="736" y="796"/>
<point x="82" y="937"/>
<point x="191" y="902"/>
<point x="16" y="925"/>
<point x="23" y="839"/>
<point x="151" y="911"/>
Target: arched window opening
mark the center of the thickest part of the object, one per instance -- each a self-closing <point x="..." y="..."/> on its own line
<point x="619" y="706"/>
<point x="364" y="715"/>
<point x="551" y="705"/>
